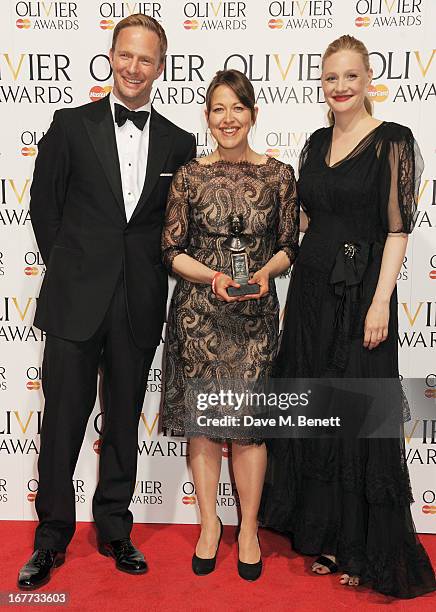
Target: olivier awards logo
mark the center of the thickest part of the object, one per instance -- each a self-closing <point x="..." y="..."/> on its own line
<point x="14" y="194"/>
<point x="111" y="12"/>
<point x="29" y="141"/>
<point x="3" y="490"/>
<point x="300" y="14"/>
<point x="429" y="499"/>
<point x="424" y="431"/>
<point x="285" y="145"/>
<point x="148" y="492"/>
<point x="19" y="431"/>
<point x="219" y="15"/>
<point x="46" y="15"/>
<point x="151" y="443"/>
<point x="388" y="13"/>
<point x="188" y="490"/>
<point x="3" y="379"/>
<point x="78" y="485"/>
<point x="378" y="93"/>
<point x="430" y="391"/>
<point x="425" y="216"/>
<point x="420" y="319"/>
<point x="34" y="265"/>
<point x="32" y="490"/>
<point x="34" y="377"/>
<point x="154" y="381"/>
<point x="16" y="316"/>
<point x="432" y="273"/>
<point x="281" y="78"/>
<point x="408" y="74"/>
<point x="97" y="92"/>
<point x="403" y="274"/>
<point x="24" y="78"/>
<point x="182" y="81"/>
<point x="227" y="495"/>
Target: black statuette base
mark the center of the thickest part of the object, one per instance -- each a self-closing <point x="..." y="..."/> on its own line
<point x="243" y="290"/>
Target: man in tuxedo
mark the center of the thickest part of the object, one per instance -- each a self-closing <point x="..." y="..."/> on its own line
<point x="97" y="207"/>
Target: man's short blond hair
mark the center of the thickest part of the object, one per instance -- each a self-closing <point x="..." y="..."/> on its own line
<point x="144" y="21"/>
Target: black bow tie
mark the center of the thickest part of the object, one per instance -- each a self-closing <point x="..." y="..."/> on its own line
<point x="139" y="118"/>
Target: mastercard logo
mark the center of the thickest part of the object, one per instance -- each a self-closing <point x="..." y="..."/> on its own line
<point x="226" y="451"/>
<point x="107" y="24"/>
<point x="96" y="446"/>
<point x="378" y="93"/>
<point x="430" y="393"/>
<point x="31" y="497"/>
<point x="23" y="24"/>
<point x="31" y="271"/>
<point x="429" y="509"/>
<point x="275" y="24"/>
<point x="362" y="22"/>
<point x="432" y="274"/>
<point x="190" y="24"/>
<point x="189" y="500"/>
<point x="97" y="92"/>
<point x="28" y="151"/>
<point x="272" y="152"/>
<point x="33" y="385"/>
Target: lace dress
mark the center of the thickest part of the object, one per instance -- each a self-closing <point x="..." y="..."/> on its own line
<point x="349" y="498"/>
<point x="209" y="340"/>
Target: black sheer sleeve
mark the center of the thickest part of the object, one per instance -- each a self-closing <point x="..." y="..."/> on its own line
<point x="176" y="228"/>
<point x="288" y="227"/>
<point x="301" y="163"/>
<point x="400" y="182"/>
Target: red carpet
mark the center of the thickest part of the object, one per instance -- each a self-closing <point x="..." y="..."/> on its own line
<point x="93" y="584"/>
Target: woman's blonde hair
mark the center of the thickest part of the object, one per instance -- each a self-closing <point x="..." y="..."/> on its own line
<point x="348" y="43"/>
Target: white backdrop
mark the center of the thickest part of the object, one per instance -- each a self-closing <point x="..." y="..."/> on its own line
<point x="54" y="54"/>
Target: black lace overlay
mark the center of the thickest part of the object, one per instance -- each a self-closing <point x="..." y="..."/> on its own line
<point x="209" y="340"/>
<point x="349" y="498"/>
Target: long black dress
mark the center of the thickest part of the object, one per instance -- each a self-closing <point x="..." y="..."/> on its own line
<point x="349" y="498"/>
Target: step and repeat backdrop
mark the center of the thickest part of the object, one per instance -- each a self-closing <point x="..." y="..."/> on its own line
<point x="54" y="54"/>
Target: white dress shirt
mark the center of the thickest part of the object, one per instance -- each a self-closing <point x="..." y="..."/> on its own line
<point x="132" y="145"/>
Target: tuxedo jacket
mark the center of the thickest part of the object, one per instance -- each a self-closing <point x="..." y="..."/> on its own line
<point x="78" y="216"/>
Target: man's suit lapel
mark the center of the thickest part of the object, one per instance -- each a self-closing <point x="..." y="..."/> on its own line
<point x="158" y="150"/>
<point x="100" y="126"/>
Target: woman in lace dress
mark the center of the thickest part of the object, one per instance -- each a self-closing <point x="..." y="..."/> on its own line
<point x="349" y="500"/>
<point x="212" y="337"/>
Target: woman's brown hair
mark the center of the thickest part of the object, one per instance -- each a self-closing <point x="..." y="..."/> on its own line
<point x="238" y="83"/>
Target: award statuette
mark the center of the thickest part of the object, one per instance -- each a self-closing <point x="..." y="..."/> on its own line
<point x="237" y="243"/>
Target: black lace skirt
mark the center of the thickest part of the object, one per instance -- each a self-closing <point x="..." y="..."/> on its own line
<point x="345" y="497"/>
<point x="350" y="499"/>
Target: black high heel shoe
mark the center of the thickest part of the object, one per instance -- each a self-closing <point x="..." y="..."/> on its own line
<point x="250" y="571"/>
<point x="202" y="567"/>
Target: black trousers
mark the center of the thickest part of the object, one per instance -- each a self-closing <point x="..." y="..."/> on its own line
<point x="70" y="387"/>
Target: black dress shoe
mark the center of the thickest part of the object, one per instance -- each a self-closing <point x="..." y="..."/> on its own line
<point x="127" y="558"/>
<point x="37" y="570"/>
<point x="250" y="571"/>
<point x="202" y="567"/>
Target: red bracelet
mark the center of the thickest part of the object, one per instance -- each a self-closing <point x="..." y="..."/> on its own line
<point x="214" y="281"/>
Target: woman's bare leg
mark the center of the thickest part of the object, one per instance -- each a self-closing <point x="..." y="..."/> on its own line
<point x="205" y="458"/>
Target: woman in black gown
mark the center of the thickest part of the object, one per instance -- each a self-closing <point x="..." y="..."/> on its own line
<point x="349" y="500"/>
